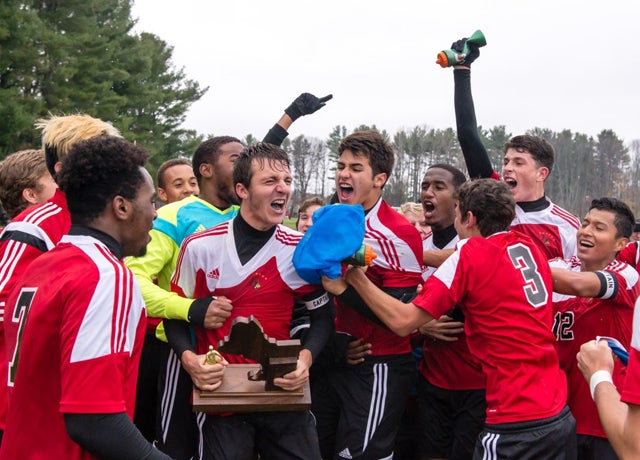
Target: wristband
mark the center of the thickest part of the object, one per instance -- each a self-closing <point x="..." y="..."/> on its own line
<point x="597" y="378"/>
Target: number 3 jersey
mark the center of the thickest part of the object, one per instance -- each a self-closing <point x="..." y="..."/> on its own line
<point x="580" y="319"/>
<point x="503" y="285"/>
<point x="79" y="322"/>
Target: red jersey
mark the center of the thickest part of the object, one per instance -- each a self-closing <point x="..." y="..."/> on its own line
<point x="449" y="365"/>
<point x="80" y="319"/>
<point x="578" y="320"/>
<point x="503" y="285"/>
<point x="398" y="264"/>
<point x="552" y="229"/>
<point x="266" y="286"/>
<point x="630" y="254"/>
<point x="631" y="391"/>
<point x="32" y="232"/>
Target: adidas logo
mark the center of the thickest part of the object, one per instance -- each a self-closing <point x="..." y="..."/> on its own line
<point x="215" y="274"/>
<point x="345" y="453"/>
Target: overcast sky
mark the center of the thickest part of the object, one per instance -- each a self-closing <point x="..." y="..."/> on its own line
<point x="548" y="63"/>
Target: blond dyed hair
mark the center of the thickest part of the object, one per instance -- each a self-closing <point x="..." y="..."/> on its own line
<point x="410" y="206"/>
<point x="59" y="133"/>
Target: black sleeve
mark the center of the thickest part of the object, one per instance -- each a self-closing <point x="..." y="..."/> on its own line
<point x="321" y="316"/>
<point x="198" y="311"/>
<point x="111" y="437"/>
<point x="276" y="135"/>
<point x="475" y="154"/>
<point x="352" y="299"/>
<point x="178" y="335"/>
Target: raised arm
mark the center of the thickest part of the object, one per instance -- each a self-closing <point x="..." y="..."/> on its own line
<point x="475" y="154"/>
<point x="305" y="104"/>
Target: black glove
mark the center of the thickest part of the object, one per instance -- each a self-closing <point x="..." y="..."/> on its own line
<point x="306" y="104"/>
<point x="474" y="51"/>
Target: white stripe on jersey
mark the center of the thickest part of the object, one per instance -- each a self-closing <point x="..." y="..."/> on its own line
<point x="111" y="319"/>
<point x="447" y="271"/>
<point x="635" y="337"/>
<point x="10" y="258"/>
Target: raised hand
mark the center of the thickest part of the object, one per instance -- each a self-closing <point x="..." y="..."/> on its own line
<point x="306" y="104"/>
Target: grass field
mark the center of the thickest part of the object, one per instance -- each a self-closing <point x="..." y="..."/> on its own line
<point x="291" y="223"/>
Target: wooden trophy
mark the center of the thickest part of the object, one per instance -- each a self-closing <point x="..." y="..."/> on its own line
<point x="249" y="387"/>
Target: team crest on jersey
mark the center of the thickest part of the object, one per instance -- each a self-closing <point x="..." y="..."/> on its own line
<point x="546" y="238"/>
<point x="257" y="279"/>
<point x="215" y="274"/>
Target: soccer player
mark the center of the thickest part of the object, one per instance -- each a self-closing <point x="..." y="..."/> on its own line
<point x="507" y="322"/>
<point x="528" y="161"/>
<point x="39" y="228"/>
<point x="176" y="430"/>
<point x="247" y="263"/>
<point x="24" y="181"/>
<point x="414" y="213"/>
<point x="451" y="396"/>
<point x="595" y="298"/>
<point x="365" y="402"/>
<point x="81" y="316"/>
<point x="176" y="180"/>
<point x="619" y="412"/>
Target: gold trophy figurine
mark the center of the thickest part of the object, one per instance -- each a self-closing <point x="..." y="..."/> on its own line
<point x="213" y="356"/>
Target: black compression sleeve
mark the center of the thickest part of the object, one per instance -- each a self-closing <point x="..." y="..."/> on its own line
<point x="475" y="153"/>
<point x="111" y="437"/>
<point x="198" y="311"/>
<point x="320" y="330"/>
<point x="276" y="135"/>
<point x="178" y="335"/>
<point x="352" y="299"/>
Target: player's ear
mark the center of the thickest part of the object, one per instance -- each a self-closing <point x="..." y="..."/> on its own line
<point x="206" y="169"/>
<point x="543" y="173"/>
<point x="621" y="243"/>
<point x="380" y="179"/>
<point x="162" y="195"/>
<point x="29" y="195"/>
<point x="241" y="191"/>
<point x="121" y="207"/>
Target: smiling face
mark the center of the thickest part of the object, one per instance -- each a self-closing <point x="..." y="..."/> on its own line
<point x="437" y="197"/>
<point x="264" y="202"/>
<point x="598" y="244"/>
<point x="523" y="175"/>
<point x="355" y="182"/>
<point x="179" y="182"/>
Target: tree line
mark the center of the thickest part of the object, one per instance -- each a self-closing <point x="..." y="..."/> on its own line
<point x="83" y="56"/>
<point x="585" y="167"/>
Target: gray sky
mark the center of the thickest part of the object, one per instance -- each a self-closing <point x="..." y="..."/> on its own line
<point x="550" y="64"/>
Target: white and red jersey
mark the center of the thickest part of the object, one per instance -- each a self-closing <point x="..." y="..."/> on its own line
<point x="80" y="320"/>
<point x="552" y="229"/>
<point x="449" y="365"/>
<point x="630" y="394"/>
<point x="265" y="287"/>
<point x="503" y="285"/>
<point x="398" y="264"/>
<point x="31" y="233"/>
<point x="580" y="319"/>
<point x="630" y="254"/>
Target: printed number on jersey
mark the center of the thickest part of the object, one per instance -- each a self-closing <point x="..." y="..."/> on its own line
<point x="534" y="289"/>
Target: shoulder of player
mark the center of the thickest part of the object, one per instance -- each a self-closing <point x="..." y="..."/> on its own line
<point x="205" y="236"/>
<point x="624" y="271"/>
<point x="564" y="215"/>
<point x="287" y="236"/>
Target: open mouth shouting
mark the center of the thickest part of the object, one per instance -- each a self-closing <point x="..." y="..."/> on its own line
<point x="345" y="192"/>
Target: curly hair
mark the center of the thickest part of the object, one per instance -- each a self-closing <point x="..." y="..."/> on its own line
<point x="371" y="145"/>
<point x="624" y="219"/>
<point x="19" y="171"/>
<point x="490" y="201"/>
<point x="97" y="170"/>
